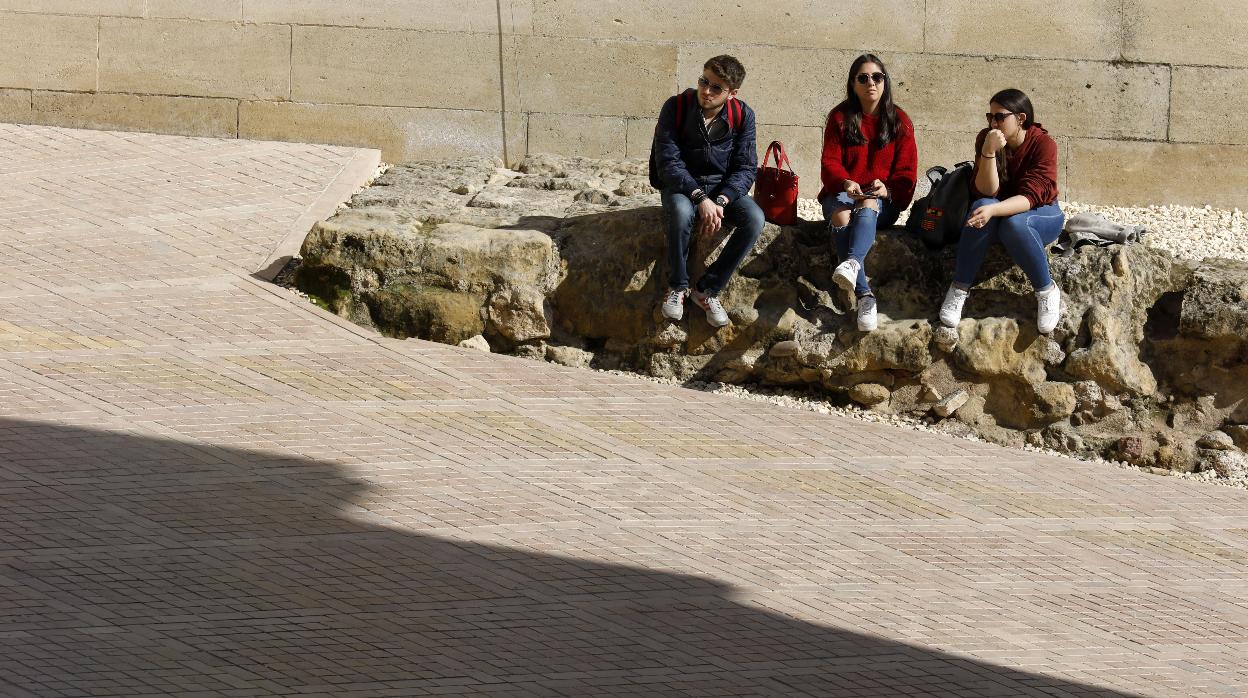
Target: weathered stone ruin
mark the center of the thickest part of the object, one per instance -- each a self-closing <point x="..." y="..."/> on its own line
<point x="563" y="261"/>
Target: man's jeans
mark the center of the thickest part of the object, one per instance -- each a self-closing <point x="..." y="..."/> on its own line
<point x="1026" y="236"/>
<point x="680" y="215"/>
<point x="855" y="240"/>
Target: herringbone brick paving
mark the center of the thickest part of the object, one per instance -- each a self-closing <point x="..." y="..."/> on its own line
<point x="211" y="488"/>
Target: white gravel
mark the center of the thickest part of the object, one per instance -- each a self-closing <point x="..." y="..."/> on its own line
<point x="812" y="402"/>
<point x="1188" y="232"/>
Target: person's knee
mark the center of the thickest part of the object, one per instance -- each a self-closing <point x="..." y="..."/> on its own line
<point x="867" y="210"/>
<point x="679" y="209"/>
<point x="980" y="203"/>
<point x="867" y="207"/>
<point x="749" y="216"/>
<point x="836" y="205"/>
<point x="1014" y="229"/>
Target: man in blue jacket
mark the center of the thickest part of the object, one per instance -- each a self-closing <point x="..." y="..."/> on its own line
<point x="704" y="162"/>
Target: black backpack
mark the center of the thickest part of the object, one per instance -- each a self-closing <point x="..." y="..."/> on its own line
<point x="686" y="102"/>
<point x="937" y="218"/>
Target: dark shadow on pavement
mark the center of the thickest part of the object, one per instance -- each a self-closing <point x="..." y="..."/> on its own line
<point x="135" y="566"/>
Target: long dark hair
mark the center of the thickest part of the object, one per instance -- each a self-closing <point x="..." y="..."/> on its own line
<point x="1017" y="102"/>
<point x="851" y="108"/>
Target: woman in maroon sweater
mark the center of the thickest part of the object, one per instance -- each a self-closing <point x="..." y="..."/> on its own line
<point x="869" y="166"/>
<point x="1014" y="188"/>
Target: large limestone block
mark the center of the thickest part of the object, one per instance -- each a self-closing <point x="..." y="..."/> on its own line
<point x="400" y="133"/>
<point x="1079" y="29"/>
<point x="219" y="10"/>
<point x="183" y="116"/>
<point x="894" y="346"/>
<point x="1199" y="32"/>
<point x="890" y="25"/>
<point x="1110" y="360"/>
<point x="342" y="65"/>
<point x="579" y="76"/>
<point x="1207" y="105"/>
<point x="450" y="255"/>
<point x="1215" y="303"/>
<point x="945" y="148"/>
<point x="995" y="347"/>
<point x="568" y="134"/>
<point x="426" y="311"/>
<point x="48" y="52"/>
<point x="640" y="135"/>
<point x="208" y="59"/>
<point x="608" y="286"/>
<point x="15" y="106"/>
<point x="1144" y="174"/>
<point x="422" y="191"/>
<point x="479" y="16"/>
<point x="111" y="8"/>
<point x="1071" y="98"/>
<point x="520" y="314"/>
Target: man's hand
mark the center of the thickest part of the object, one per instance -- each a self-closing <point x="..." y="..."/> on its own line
<point x="980" y="216"/>
<point x="994" y="142"/>
<point x="710" y="218"/>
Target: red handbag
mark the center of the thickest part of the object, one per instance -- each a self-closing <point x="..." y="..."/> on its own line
<point x="775" y="190"/>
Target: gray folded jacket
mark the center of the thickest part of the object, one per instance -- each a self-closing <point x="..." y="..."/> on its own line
<point x="1092" y="229"/>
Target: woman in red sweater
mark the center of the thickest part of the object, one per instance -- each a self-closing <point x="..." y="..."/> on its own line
<point x="869" y="166"/>
<point x="1014" y="193"/>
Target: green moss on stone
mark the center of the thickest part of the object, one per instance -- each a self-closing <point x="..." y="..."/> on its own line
<point x="328" y="287"/>
<point x="427" y="312"/>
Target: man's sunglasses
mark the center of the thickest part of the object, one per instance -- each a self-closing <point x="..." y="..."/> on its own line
<point x="864" y="78"/>
<point x="998" y="117"/>
<point x="707" y="84"/>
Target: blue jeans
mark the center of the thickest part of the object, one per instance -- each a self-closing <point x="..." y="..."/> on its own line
<point x="855" y="240"/>
<point x="1026" y="236"/>
<point x="679" y="216"/>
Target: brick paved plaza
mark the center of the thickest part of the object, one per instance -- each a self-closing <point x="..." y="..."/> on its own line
<point x="212" y="488"/>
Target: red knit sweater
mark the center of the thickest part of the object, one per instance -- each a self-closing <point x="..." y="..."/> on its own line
<point x="896" y="164"/>
<point x="1031" y="169"/>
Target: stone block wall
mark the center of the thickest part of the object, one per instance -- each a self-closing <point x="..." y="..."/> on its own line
<point x="1144" y="96"/>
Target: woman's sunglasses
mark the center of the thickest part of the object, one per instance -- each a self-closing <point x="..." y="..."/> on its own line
<point x="707" y="84"/>
<point x="864" y="78"/>
<point x="998" y="117"/>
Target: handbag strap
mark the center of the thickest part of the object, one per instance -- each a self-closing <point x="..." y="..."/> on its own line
<point x="782" y="158"/>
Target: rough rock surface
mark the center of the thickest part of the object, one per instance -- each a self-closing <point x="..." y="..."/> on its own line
<point x="564" y="260"/>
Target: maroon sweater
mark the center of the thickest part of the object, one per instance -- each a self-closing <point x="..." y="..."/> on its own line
<point x="1031" y="170"/>
<point x="896" y="164"/>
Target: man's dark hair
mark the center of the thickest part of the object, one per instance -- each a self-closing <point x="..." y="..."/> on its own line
<point x="728" y="69"/>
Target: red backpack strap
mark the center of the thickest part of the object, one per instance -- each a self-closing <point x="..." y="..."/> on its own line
<point x="734" y="113"/>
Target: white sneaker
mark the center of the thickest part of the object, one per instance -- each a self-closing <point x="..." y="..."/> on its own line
<point x="674" y="303"/>
<point x="1048" y="309"/>
<point x="867" y="320"/>
<point x="715" y="313"/>
<point x="951" y="308"/>
<point x="846" y="274"/>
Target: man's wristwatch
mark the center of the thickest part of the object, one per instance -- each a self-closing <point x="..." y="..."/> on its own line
<point x="722" y="200"/>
